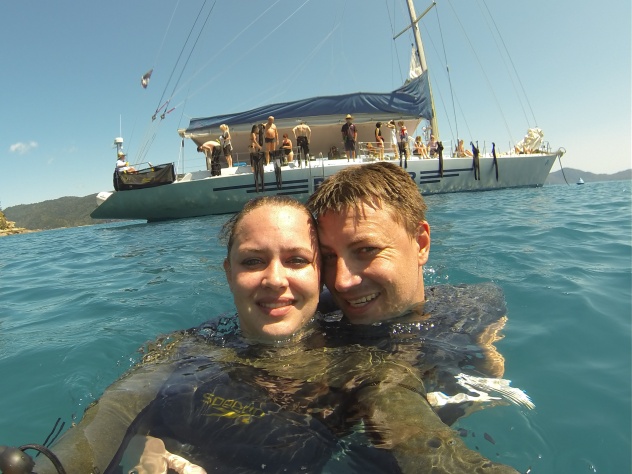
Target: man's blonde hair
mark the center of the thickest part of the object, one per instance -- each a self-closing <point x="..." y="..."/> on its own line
<point x="379" y="185"/>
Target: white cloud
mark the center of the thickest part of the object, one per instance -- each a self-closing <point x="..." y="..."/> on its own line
<point x="22" y="148"/>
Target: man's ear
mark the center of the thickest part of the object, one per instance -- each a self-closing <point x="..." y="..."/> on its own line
<point x="228" y="274"/>
<point x="423" y="240"/>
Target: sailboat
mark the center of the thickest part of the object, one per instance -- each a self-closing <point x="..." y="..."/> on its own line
<point x="226" y="190"/>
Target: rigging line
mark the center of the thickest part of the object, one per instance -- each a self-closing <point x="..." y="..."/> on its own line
<point x="478" y="60"/>
<point x="245" y="53"/>
<point x="350" y="71"/>
<point x="399" y="63"/>
<point x="173" y="14"/>
<point x="226" y="45"/>
<point x="179" y="57"/>
<point x="511" y="62"/>
<point x="436" y="85"/>
<point x="307" y="60"/>
<point x="441" y="99"/>
<point x="291" y="78"/>
<point x="509" y="74"/>
<point x="191" y="51"/>
<point x="148" y="139"/>
<point x="447" y="68"/>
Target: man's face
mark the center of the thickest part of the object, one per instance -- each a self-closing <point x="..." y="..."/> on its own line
<point x="371" y="265"/>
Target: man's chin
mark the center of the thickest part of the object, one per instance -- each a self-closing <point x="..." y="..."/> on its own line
<point x="366" y="314"/>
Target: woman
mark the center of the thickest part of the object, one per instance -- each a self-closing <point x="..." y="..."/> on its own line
<point x="254" y="147"/>
<point x="286" y="146"/>
<point x="420" y="149"/>
<point x="432" y="146"/>
<point x="379" y="140"/>
<point x="272" y="267"/>
<point x="227" y="146"/>
<point x="394" y="143"/>
<point x="461" y="152"/>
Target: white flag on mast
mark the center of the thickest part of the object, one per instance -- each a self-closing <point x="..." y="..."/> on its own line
<point x="415" y="65"/>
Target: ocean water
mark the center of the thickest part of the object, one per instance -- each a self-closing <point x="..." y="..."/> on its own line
<point x="76" y="304"/>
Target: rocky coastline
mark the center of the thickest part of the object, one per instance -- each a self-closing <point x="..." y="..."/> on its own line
<point x="9" y="228"/>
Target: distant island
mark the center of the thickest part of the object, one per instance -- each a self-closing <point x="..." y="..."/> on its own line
<point x="73" y="211"/>
<point x="572" y="176"/>
<point x="67" y="211"/>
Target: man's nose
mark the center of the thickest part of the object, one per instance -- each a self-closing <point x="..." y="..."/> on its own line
<point x="346" y="277"/>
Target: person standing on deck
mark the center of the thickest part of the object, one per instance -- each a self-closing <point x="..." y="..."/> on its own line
<point x="404" y="149"/>
<point x="303" y="135"/>
<point x="271" y="137"/>
<point x="349" y="136"/>
<point x="379" y="140"/>
<point x="394" y="145"/>
<point x="227" y="146"/>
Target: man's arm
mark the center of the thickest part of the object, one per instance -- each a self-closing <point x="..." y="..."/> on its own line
<point x="406" y="424"/>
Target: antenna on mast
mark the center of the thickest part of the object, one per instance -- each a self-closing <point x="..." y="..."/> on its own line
<point x="118" y="141"/>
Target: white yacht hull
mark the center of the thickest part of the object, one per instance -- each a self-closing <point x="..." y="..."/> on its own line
<point x="199" y="194"/>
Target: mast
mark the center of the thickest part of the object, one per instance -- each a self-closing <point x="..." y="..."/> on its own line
<point x="422" y="60"/>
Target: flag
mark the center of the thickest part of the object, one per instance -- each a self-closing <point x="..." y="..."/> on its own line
<point x="415" y="65"/>
<point x="144" y="81"/>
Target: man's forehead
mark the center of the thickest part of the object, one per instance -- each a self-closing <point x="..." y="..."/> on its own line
<point x="360" y="210"/>
<point x="355" y="218"/>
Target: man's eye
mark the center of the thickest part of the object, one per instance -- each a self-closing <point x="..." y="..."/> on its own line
<point x="328" y="257"/>
<point x="368" y="250"/>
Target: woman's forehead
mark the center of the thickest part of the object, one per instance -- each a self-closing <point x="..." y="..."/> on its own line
<point x="271" y="223"/>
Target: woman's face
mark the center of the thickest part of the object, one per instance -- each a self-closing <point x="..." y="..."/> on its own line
<point x="273" y="271"/>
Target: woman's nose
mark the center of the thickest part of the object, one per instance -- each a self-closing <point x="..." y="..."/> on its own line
<point x="275" y="275"/>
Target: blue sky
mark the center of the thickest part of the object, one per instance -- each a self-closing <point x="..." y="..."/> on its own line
<point x="71" y="75"/>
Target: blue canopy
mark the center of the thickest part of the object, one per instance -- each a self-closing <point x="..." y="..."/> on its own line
<point x="411" y="101"/>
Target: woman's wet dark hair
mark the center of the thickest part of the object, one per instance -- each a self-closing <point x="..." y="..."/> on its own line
<point x="378" y="125"/>
<point x="255" y="129"/>
<point x="227" y="233"/>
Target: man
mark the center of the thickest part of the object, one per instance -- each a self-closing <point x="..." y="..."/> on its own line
<point x="374" y="239"/>
<point x="122" y="165"/>
<point x="271" y="137"/>
<point x="404" y="146"/>
<point x="207" y="148"/>
<point x="303" y="135"/>
<point x="349" y="137"/>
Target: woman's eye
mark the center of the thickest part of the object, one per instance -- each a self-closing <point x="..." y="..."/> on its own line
<point x="298" y="261"/>
<point x="251" y="262"/>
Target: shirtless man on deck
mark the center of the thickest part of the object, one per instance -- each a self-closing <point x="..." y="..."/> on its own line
<point x="271" y="137"/>
<point x="303" y="134"/>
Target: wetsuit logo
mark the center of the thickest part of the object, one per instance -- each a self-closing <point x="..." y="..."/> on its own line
<point x="228" y="408"/>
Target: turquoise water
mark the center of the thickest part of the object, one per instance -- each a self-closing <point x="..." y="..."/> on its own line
<point x="75" y="305"/>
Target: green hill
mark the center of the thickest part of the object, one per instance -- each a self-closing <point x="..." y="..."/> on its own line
<point x="67" y="211"/>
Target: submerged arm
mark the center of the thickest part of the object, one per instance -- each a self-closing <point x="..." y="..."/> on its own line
<point x="419" y="440"/>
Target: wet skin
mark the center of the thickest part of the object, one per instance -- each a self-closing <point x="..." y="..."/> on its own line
<point x="371" y="265"/>
<point x="273" y="272"/>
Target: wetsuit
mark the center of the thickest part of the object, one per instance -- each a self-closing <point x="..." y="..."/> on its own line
<point x="217" y="416"/>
